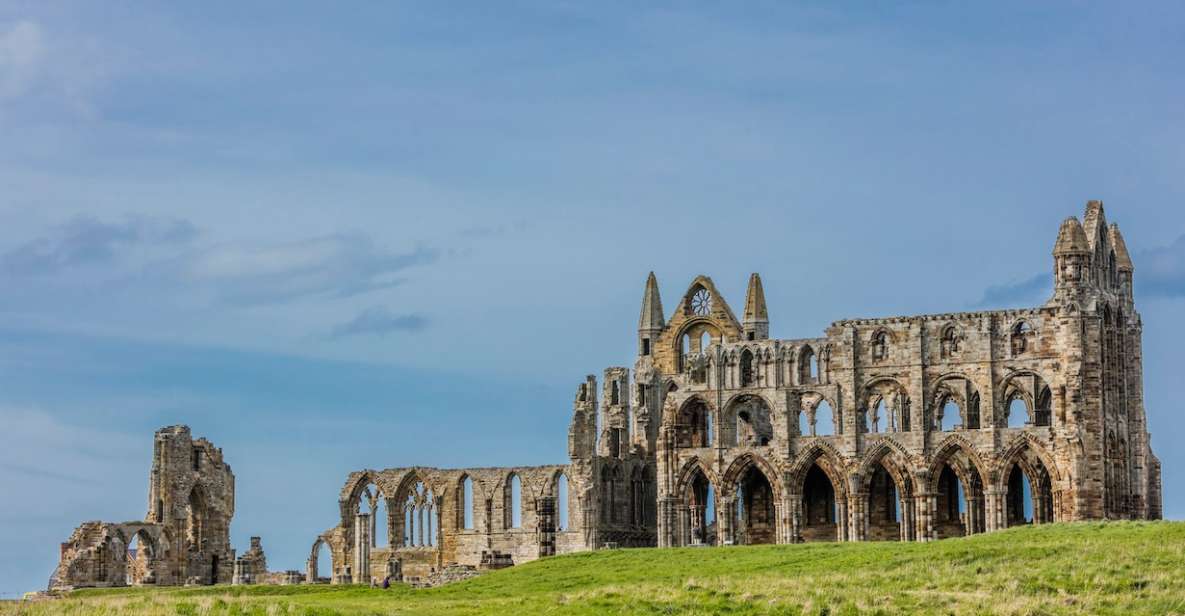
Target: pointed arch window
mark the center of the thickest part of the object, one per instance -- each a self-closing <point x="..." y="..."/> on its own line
<point x="880" y="346"/>
<point x="747" y="374"/>
<point x="420" y="518"/>
<point x="467" y="503"/>
<point x="1021" y="333"/>
<point x="561" y="503"/>
<point x="950" y="341"/>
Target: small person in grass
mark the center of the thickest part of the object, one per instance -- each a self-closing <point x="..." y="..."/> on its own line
<point x="386" y="582"/>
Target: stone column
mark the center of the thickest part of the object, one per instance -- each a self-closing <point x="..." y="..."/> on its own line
<point x="925" y="505"/>
<point x="726" y="522"/>
<point x="841" y="520"/>
<point x="795" y="503"/>
<point x="858" y="509"/>
<point x="993" y="509"/>
<point x="362" y="549"/>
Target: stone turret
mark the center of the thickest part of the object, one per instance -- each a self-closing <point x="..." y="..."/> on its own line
<point x="756" y="322"/>
<point x="1123" y="262"/>
<point x="582" y="433"/>
<point x="1071" y="257"/>
<point x="651" y="322"/>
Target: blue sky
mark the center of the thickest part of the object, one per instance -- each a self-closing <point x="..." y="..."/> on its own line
<point x="386" y="234"/>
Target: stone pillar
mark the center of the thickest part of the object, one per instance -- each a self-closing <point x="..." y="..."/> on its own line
<point x="993" y="502"/>
<point x="841" y="520"/>
<point x="362" y="549"/>
<point x="795" y="503"/>
<point x="925" y="504"/>
<point x="858" y="508"/>
<point x="727" y="523"/>
<point x="668" y="523"/>
<point x="546" y="525"/>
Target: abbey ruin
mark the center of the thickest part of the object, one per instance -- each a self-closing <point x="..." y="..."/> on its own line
<point x="903" y="428"/>
<point x="184" y="538"/>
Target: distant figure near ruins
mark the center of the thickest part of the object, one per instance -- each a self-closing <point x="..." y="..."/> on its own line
<point x="902" y="428"/>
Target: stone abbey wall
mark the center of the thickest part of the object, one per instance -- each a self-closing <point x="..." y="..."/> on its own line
<point x="904" y="428"/>
<point x="184" y="538"/>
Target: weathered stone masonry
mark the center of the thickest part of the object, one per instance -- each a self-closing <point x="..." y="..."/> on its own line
<point x="184" y="539"/>
<point x="904" y="428"/>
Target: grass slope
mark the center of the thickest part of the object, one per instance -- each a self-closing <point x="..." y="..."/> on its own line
<point x="1095" y="568"/>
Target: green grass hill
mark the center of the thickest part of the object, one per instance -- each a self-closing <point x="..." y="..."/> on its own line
<point x="1086" y="568"/>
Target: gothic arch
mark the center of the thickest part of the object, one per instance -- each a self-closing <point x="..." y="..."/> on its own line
<point x="1023" y="449"/>
<point x="885" y="448"/>
<point x="829" y="460"/>
<point x="688" y="471"/>
<point x="737" y="469"/>
<point x="963" y="391"/>
<point x="757" y="413"/>
<point x="896" y="403"/>
<point x="947" y="452"/>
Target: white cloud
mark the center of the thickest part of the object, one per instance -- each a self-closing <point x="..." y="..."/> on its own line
<point x="22" y="58"/>
<point x="329" y="266"/>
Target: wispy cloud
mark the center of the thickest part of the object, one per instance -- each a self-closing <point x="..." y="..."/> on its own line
<point x="22" y="52"/>
<point x="1029" y="291"/>
<point x="379" y="320"/>
<point x="1160" y="272"/>
<point x="85" y="240"/>
<point x="329" y="266"/>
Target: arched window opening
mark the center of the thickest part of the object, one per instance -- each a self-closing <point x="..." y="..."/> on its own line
<point x="879" y="419"/>
<point x="950" y="342"/>
<point x="952" y="415"/>
<point x="880" y="346"/>
<point x="747" y="422"/>
<point x="818" y="507"/>
<point x="380" y="537"/>
<point x="808" y="366"/>
<point x="1021" y="333"/>
<point x="467" y="503"/>
<point x="1044" y="407"/>
<point x="704" y="341"/>
<point x="804" y="423"/>
<point x="421" y="521"/>
<point x="140" y="554"/>
<point x="561" y="503"/>
<point x="322" y="564"/>
<point x="952" y="497"/>
<point x="746" y="368"/>
<point x="514" y="502"/>
<point x="615" y="392"/>
<point x="637" y="496"/>
<point x="195" y="519"/>
<point x="1020" y="498"/>
<point x="755" y="519"/>
<point x="693" y="425"/>
<point x="1018" y="413"/>
<point x="884" y="515"/>
<point x="824" y="420"/>
<point x="971" y="422"/>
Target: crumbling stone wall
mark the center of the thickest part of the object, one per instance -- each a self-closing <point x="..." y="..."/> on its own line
<point x="184" y="538"/>
<point x="251" y="566"/>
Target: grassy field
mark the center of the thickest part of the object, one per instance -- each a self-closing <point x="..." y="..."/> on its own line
<point x="1115" y="568"/>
